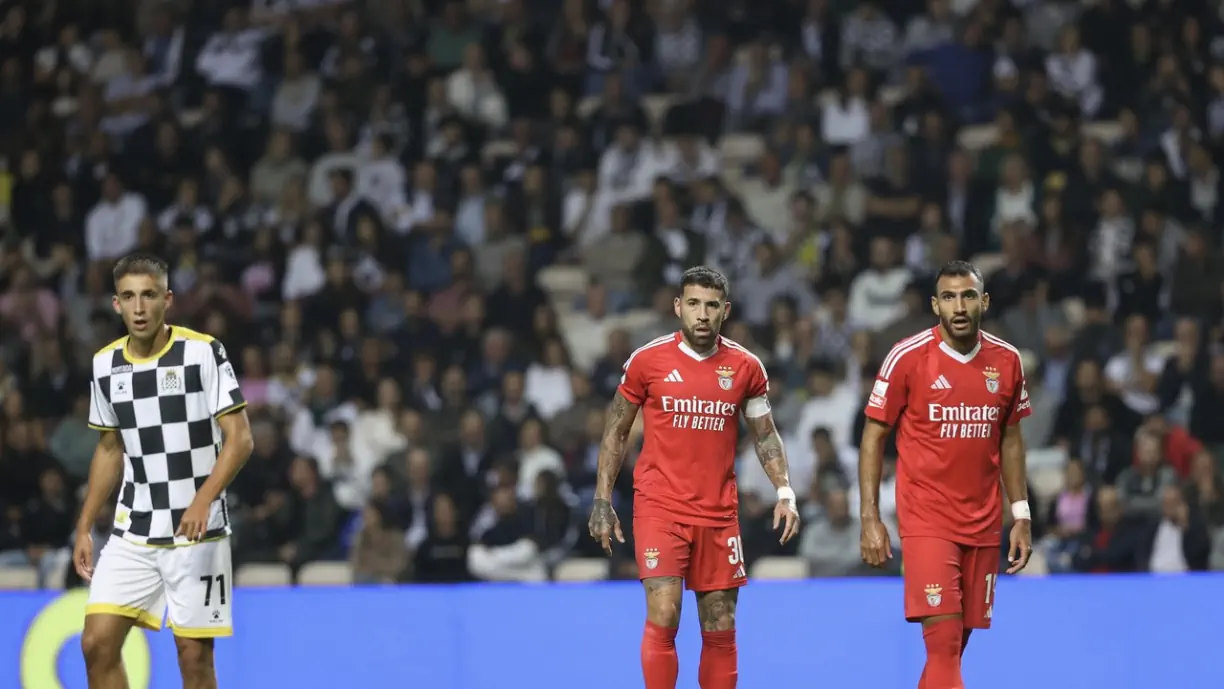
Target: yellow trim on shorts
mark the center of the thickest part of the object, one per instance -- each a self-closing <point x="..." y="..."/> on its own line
<point x="143" y="617"/>
<point x="201" y="632"/>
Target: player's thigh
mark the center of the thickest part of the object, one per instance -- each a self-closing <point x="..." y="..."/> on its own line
<point x="199" y="580"/>
<point x="932" y="577"/>
<point x="718" y="559"/>
<point x="664" y="548"/>
<point x="127" y="583"/>
<point x="980" y="573"/>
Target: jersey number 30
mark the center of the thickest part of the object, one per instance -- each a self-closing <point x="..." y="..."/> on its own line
<point x="737" y="550"/>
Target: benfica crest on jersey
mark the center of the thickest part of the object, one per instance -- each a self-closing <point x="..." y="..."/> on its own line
<point x="934" y="595"/>
<point x="651" y="555"/>
<point x="992" y="379"/>
<point x="726" y="377"/>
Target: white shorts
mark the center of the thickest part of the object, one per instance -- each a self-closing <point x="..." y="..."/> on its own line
<point x="193" y="583"/>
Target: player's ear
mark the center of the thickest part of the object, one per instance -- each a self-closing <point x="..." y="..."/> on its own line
<point x="934" y="306"/>
<point x="676" y="306"/>
<point x="985" y="302"/>
<point x="115" y="304"/>
<point x="169" y="298"/>
<point x="726" y="310"/>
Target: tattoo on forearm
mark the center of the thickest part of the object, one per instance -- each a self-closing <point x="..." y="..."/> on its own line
<point x="716" y="609"/>
<point x="621" y="414"/>
<point x="770" y="450"/>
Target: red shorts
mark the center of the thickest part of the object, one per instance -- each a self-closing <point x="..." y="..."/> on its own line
<point x="946" y="578"/>
<point x="708" y="558"/>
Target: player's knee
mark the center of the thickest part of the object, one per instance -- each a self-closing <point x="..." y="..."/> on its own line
<point x="943" y="636"/>
<point x="102" y="650"/>
<point x="717" y="610"/>
<point x="195" y="658"/>
<point x="663" y="598"/>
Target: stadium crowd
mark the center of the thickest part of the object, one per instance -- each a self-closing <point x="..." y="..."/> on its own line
<point x="431" y="231"/>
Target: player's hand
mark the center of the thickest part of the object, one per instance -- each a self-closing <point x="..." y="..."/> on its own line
<point x="82" y="555"/>
<point x="874" y="543"/>
<point x="194" y="522"/>
<point x="785" y="513"/>
<point x="1021" y="547"/>
<point x="604" y="524"/>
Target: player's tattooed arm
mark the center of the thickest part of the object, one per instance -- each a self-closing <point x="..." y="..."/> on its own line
<point x="612" y="448"/>
<point x="604" y="524"/>
<point x="770" y="450"/>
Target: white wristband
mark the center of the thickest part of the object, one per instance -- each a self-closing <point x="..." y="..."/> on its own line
<point x="1020" y="510"/>
<point x="786" y="493"/>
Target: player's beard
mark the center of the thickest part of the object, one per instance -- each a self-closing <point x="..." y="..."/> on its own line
<point x="701" y="341"/>
<point x="963" y="332"/>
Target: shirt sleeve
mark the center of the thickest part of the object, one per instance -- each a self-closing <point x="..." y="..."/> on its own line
<point x="756" y="404"/>
<point x="1022" y="407"/>
<point x="102" y="415"/>
<point x="220" y="382"/>
<point x="890" y="391"/>
<point x="633" y="380"/>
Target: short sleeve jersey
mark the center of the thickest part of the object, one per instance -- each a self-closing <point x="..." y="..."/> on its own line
<point x="165" y="408"/>
<point x="691" y="405"/>
<point x="950" y="410"/>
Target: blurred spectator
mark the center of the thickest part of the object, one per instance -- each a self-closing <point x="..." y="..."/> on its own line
<point x="1142" y="485"/>
<point x="503" y="550"/>
<point x="1177" y="540"/>
<point x="831" y="544"/>
<point x="379" y="555"/>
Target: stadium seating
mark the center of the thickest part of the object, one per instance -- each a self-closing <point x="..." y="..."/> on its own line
<point x="263" y="575"/>
<point x="582" y="569"/>
<point x="325" y="574"/>
<point x="18" y="578"/>
<point x="780" y="568"/>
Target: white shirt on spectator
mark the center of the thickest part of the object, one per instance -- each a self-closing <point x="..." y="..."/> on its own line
<point x="548" y="389"/>
<point x="1014" y="205"/>
<point x="318" y="189"/>
<point x="876" y="299"/>
<point x="295" y="101"/>
<point x="79" y="58"/>
<point x="382" y="183"/>
<point x="835" y="412"/>
<point x="1119" y="370"/>
<point x="232" y="59"/>
<point x="1168" y="555"/>
<point x="113" y="229"/>
<point x="532" y="463"/>
<point x="120" y="88"/>
<point x="1074" y="77"/>
<point x="628" y="176"/>
<point x="304" y="274"/>
<point x="844" y="121"/>
<point x="477" y="97"/>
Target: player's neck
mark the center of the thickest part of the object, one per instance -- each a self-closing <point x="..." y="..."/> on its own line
<point x="701" y="351"/>
<point x="143" y="349"/>
<point x="964" y="345"/>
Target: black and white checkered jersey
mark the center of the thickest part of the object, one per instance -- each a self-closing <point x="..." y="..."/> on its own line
<point x="165" y="407"/>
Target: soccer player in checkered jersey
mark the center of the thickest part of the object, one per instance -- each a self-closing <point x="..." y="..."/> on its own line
<point x="692" y="387"/>
<point x="956" y="395"/>
<point x="174" y="429"/>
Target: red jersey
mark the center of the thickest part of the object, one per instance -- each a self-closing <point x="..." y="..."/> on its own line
<point x="950" y="410"/>
<point x="690" y="407"/>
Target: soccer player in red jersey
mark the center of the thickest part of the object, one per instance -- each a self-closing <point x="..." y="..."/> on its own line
<point x="956" y="396"/>
<point x="692" y="387"/>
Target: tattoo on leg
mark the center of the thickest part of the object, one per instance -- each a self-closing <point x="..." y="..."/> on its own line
<point x="664" y="596"/>
<point x="717" y="610"/>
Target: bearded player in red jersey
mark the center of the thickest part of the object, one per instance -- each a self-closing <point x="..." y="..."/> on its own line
<point x="956" y="396"/>
<point x="692" y="386"/>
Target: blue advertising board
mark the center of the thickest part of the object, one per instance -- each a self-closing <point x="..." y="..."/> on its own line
<point x="1114" y="632"/>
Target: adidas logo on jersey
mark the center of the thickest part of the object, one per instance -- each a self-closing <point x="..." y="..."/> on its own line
<point x="941" y="383"/>
<point x="674" y="377"/>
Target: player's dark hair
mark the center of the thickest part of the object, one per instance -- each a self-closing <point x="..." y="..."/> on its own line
<point x="958" y="269"/>
<point x="140" y="264"/>
<point x="702" y="276"/>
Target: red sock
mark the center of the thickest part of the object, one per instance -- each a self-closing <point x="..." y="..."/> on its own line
<point x="659" y="663"/>
<point x="719" y="667"/>
<point x="943" y="646"/>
